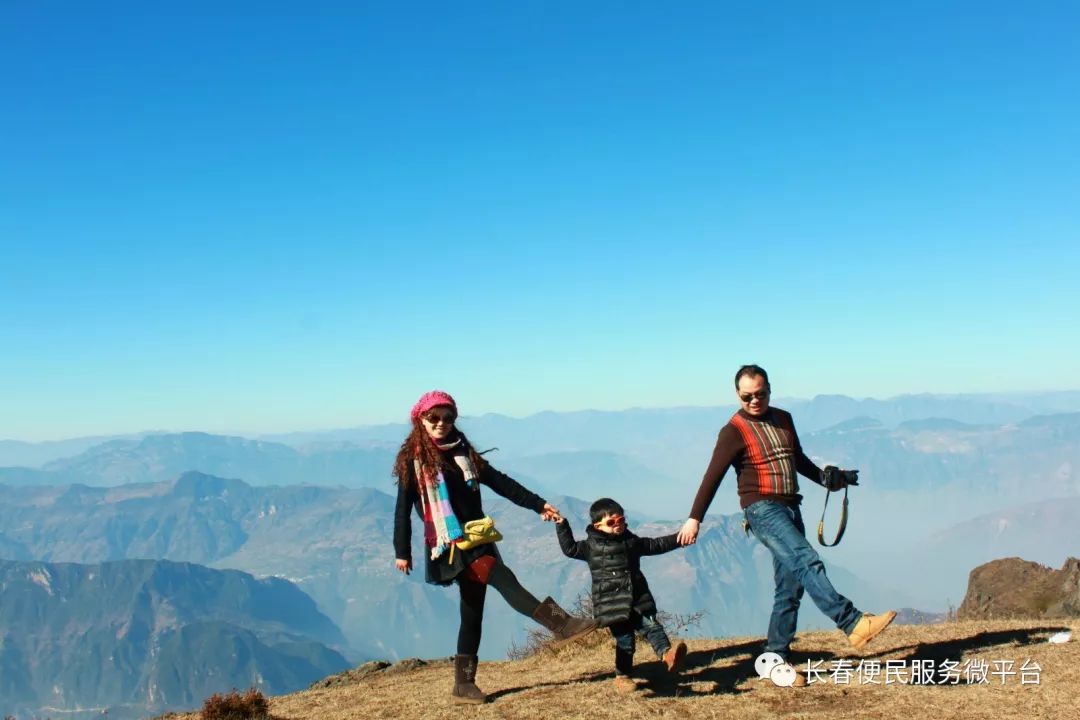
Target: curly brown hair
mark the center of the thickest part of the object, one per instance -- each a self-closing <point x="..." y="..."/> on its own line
<point x="419" y="446"/>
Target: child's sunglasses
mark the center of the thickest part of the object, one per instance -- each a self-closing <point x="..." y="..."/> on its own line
<point x="612" y="521"/>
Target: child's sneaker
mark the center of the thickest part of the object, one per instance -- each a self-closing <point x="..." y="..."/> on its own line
<point x="674" y="656"/>
<point x="625" y="684"/>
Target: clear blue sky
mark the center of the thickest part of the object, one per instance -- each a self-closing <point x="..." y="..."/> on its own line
<point x="282" y="216"/>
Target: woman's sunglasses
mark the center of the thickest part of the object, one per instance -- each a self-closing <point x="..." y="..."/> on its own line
<point x="436" y="417"/>
<point x="612" y="521"/>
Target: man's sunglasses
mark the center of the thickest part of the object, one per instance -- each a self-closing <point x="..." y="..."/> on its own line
<point x="760" y="395"/>
<point x="612" y="521"/>
<point x="435" y="417"/>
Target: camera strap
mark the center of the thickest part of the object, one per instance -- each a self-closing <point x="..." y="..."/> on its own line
<point x="843" y="521"/>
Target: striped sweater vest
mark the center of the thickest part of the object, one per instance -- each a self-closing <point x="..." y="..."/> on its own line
<point x="770" y="453"/>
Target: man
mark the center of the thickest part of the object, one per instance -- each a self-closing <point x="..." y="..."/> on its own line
<point x="760" y="442"/>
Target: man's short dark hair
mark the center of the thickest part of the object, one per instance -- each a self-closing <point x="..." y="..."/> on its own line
<point x="751" y="371"/>
<point x="604" y="507"/>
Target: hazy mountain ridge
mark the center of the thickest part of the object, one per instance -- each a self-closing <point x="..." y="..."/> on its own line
<point x="1045" y="532"/>
<point x="159" y="458"/>
<point x="918" y="478"/>
<point x="335" y="543"/>
<point x="659" y="466"/>
<point x="922" y="480"/>
<point x="930" y="453"/>
<point x="139" y="636"/>
<point x="616" y="430"/>
<point x="35" y="454"/>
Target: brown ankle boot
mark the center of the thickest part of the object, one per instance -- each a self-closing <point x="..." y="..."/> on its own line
<point x="563" y="626"/>
<point x="465" y="690"/>
<point x="674" y="656"/>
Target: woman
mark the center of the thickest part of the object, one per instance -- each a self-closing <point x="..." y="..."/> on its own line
<point x="439" y="473"/>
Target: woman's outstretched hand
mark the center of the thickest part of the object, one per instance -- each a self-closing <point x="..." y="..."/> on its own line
<point x="403" y="565"/>
<point x="550" y="513"/>
<point x="688" y="534"/>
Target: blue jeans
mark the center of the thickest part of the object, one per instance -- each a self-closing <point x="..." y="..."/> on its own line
<point x="796" y="566"/>
<point x="624" y="634"/>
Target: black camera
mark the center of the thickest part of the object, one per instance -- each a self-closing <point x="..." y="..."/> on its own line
<point x="833" y="478"/>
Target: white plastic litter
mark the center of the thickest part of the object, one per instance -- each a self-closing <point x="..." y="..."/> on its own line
<point x="1061" y="637"/>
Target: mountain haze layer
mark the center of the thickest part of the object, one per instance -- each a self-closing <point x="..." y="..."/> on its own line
<point x="135" y="637"/>
<point x="335" y="543"/>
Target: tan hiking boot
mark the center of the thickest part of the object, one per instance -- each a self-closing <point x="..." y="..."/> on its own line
<point x="465" y="691"/>
<point x="625" y="684"/>
<point x="674" y="656"/>
<point x="869" y="627"/>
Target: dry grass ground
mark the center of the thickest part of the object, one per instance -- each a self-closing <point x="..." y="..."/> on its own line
<point x="719" y="681"/>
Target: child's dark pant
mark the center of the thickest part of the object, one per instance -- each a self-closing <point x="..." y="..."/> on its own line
<point x="625" y="640"/>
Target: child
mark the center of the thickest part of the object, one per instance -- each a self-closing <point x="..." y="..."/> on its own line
<point x="620" y="593"/>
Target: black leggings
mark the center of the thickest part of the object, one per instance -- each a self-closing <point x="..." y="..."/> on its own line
<point x="473" y="593"/>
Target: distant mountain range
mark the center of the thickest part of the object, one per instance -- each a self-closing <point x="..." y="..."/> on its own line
<point x="157" y="458"/>
<point x="34" y="455"/>
<point x="136" y="637"/>
<point x="623" y="431"/>
<point x="1036" y="457"/>
<point x="1045" y="532"/>
<point x="919" y="478"/>
<point x="639" y="460"/>
<point x="335" y="544"/>
<point x="946" y="483"/>
<point x="647" y="428"/>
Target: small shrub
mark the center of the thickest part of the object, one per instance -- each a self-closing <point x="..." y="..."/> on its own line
<point x="539" y="640"/>
<point x="676" y="623"/>
<point x="251" y="705"/>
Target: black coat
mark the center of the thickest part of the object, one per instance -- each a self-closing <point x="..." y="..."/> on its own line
<point x="618" y="585"/>
<point x="467" y="506"/>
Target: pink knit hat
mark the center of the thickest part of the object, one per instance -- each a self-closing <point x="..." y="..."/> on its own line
<point x="432" y="399"/>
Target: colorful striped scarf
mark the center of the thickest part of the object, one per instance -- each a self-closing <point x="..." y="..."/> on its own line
<point x="441" y="526"/>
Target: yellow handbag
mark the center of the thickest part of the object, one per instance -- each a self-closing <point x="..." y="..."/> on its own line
<point x="478" y="532"/>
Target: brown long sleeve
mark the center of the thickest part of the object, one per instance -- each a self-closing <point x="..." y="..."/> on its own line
<point x="728" y="446"/>
<point x="803" y="464"/>
<point x="767" y="458"/>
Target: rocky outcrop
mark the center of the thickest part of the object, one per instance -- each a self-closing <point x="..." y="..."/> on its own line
<point x="1016" y="588"/>
<point x="369" y="669"/>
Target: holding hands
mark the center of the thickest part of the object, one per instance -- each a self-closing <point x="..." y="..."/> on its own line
<point x="550" y="513"/>
<point x="688" y="534"/>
